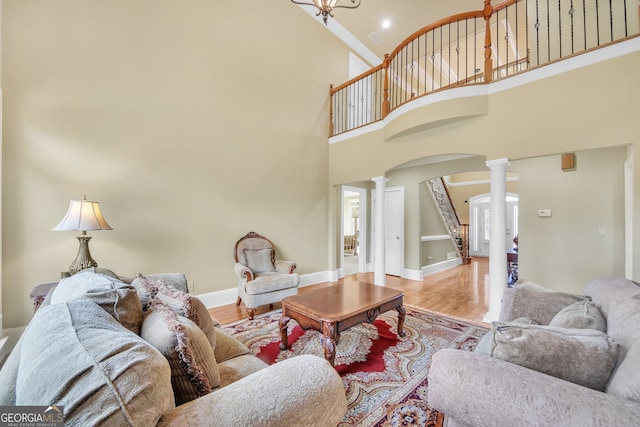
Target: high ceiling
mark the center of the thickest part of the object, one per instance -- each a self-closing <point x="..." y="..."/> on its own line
<point x="405" y="16"/>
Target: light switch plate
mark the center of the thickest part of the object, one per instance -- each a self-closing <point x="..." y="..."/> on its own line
<point x="544" y="212"/>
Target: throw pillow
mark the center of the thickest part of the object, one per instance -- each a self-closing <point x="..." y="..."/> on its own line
<point x="179" y="302"/>
<point x="78" y="356"/>
<point x="227" y="347"/>
<point x="175" y="280"/>
<point x="538" y="303"/>
<point x="194" y="371"/>
<point x="484" y="345"/>
<point x="580" y="315"/>
<point x="581" y="356"/>
<point x="260" y="260"/>
<point x="117" y="298"/>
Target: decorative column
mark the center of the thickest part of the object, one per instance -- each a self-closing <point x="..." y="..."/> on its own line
<point x="498" y="243"/>
<point x="379" y="277"/>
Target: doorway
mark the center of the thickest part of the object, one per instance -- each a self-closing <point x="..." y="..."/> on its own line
<point x="480" y="223"/>
<point x="354" y="208"/>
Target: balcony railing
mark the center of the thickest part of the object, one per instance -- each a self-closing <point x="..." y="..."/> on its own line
<point x="479" y="47"/>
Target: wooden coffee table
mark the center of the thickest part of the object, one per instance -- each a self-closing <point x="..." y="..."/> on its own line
<point x="335" y="308"/>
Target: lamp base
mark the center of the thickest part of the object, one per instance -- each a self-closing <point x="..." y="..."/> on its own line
<point x="83" y="259"/>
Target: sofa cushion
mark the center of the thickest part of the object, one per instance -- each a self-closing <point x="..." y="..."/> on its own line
<point x="260" y="260"/>
<point x="540" y="303"/>
<point x="581" y="356"/>
<point x="117" y="298"/>
<point x="271" y="282"/>
<point x="624" y="327"/>
<point x="194" y="371"/>
<point x="77" y="355"/>
<point x="580" y="315"/>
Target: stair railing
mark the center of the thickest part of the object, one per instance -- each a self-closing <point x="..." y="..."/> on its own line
<point x="479" y="47"/>
<point x="459" y="232"/>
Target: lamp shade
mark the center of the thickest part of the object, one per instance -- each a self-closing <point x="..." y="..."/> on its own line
<point x="83" y="215"/>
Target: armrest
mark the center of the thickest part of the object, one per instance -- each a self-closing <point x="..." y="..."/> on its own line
<point x="303" y="390"/>
<point x="481" y="391"/>
<point x="243" y="272"/>
<point x="285" y="267"/>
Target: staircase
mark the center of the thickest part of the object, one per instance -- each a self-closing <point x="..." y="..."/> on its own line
<point x="459" y="232"/>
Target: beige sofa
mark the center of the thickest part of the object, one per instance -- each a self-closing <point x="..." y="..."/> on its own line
<point x="88" y="349"/>
<point x="554" y="359"/>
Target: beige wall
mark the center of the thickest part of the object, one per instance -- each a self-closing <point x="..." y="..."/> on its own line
<point x="461" y="194"/>
<point x="590" y="107"/>
<point x="565" y="251"/>
<point x="192" y="123"/>
<point x="594" y="107"/>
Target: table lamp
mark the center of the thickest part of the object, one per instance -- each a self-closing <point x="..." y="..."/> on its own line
<point x="83" y="215"/>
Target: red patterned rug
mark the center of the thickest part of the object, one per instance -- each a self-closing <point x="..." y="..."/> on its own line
<point x="384" y="376"/>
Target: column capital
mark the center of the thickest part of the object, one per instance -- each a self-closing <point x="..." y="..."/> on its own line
<point x="380" y="179"/>
<point x="497" y="163"/>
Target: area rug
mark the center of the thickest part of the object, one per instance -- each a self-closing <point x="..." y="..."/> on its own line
<point x="384" y="376"/>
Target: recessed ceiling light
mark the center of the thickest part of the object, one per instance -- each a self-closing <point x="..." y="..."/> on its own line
<point x="386" y="23"/>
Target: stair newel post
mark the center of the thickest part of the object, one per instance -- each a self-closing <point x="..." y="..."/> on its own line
<point x="330" y="110"/>
<point x="488" y="65"/>
<point x="385" y="101"/>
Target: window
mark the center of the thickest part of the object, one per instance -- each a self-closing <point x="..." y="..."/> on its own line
<point x="487" y="224"/>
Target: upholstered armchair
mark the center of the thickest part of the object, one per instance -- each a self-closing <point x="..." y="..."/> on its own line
<point x="262" y="279"/>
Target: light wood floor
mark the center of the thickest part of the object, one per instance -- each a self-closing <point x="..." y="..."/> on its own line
<point x="460" y="292"/>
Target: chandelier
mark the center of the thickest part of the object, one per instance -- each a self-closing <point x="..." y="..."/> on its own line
<point x="325" y="7"/>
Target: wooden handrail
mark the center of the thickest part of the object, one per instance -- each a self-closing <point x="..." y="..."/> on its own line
<point x="440" y="23"/>
<point x="357" y="78"/>
<point x="453" y="207"/>
<point x="406" y="76"/>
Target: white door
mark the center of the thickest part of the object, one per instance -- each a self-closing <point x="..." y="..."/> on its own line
<point x="394" y="231"/>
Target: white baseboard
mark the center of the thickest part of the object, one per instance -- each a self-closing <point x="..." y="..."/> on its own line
<point x="412" y="274"/>
<point x="440" y="266"/>
<point x="229" y="296"/>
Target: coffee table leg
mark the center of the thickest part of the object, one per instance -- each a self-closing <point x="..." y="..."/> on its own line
<point x="328" y="340"/>
<point x="284" y="339"/>
<point x="401" y="315"/>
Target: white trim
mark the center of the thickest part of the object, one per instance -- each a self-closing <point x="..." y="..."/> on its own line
<point x="357" y="132"/>
<point x="347" y="38"/>
<point x="412" y="274"/>
<point x="628" y="215"/>
<point x="218" y="298"/>
<point x="478" y="182"/>
<point x="433" y="238"/>
<point x="545" y="71"/>
<point x="440" y="266"/>
<point x="230" y="295"/>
